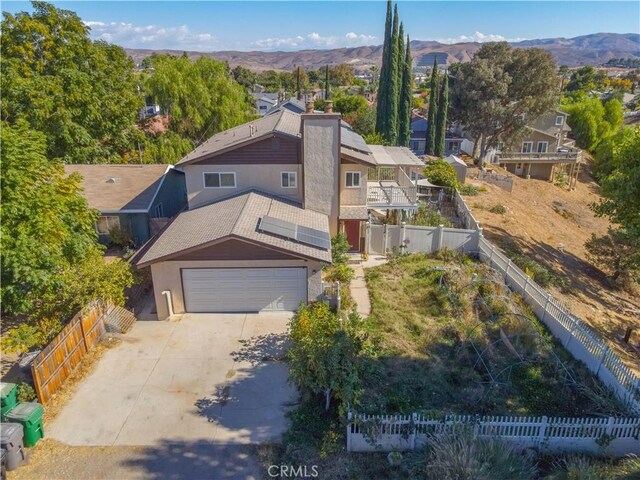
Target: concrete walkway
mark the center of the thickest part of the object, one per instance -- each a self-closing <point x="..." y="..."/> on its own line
<point x="359" y="291"/>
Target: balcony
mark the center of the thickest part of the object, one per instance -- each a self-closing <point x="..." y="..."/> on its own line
<point x="390" y="187"/>
<point x="562" y="155"/>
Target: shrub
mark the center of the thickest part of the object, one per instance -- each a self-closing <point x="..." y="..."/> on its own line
<point x="20" y="339"/>
<point x="428" y="217"/>
<point x="469" y="190"/>
<point x="339" y="273"/>
<point x="616" y="253"/>
<point x="339" y="249"/>
<point x="499" y="209"/>
<point x="26" y="393"/>
<point x="441" y="173"/>
<point x="119" y="237"/>
<point x="459" y="455"/>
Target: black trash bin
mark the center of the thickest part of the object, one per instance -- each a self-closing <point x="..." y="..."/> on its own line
<point x="11" y="440"/>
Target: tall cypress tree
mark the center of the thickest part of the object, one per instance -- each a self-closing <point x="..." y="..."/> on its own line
<point x="404" y="123"/>
<point x="441" y="118"/>
<point x="391" y="132"/>
<point x="327" y="91"/>
<point x="433" y="108"/>
<point x="381" y="114"/>
<point x="399" y="75"/>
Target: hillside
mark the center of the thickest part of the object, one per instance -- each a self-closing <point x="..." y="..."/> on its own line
<point x="551" y="225"/>
<point x="594" y="49"/>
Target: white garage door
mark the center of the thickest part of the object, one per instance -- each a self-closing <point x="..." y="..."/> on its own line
<point x="243" y="289"/>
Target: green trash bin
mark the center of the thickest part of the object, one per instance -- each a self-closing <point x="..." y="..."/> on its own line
<point x="29" y="415"/>
<point x="8" y="398"/>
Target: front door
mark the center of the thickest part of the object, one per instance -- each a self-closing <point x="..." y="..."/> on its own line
<point x="352" y="230"/>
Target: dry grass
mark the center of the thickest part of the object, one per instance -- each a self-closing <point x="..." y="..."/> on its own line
<point x="86" y="366"/>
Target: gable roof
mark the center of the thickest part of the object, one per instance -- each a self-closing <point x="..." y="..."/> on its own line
<point x="292" y="104"/>
<point x="282" y="122"/>
<point x="120" y="188"/>
<point x="394" y="156"/>
<point x="238" y="217"/>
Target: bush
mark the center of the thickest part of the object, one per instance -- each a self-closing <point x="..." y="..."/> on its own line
<point x="20" y="339"/>
<point x="499" y="209"/>
<point x="339" y="273"/>
<point x="469" y="190"/>
<point x="618" y="254"/>
<point x="428" y="217"/>
<point x="459" y="455"/>
<point x="119" y="237"/>
<point x="441" y="173"/>
<point x="339" y="249"/>
<point x="26" y="393"/>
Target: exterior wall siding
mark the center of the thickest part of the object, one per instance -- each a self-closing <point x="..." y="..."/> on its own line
<point x="274" y="150"/>
<point x="261" y="176"/>
<point x="166" y="277"/>
<point x="172" y="195"/>
<point x="353" y="196"/>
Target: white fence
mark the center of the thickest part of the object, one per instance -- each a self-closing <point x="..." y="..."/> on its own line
<point x="599" y="436"/>
<point x="575" y="336"/>
<point x="411" y="239"/>
<point x="505" y="182"/>
<point x="464" y="212"/>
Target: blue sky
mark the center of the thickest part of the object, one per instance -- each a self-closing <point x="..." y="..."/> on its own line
<point x="267" y="25"/>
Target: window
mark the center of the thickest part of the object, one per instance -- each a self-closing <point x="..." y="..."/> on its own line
<point x="105" y="224"/>
<point x="543" y="147"/>
<point x="500" y="146"/>
<point x="527" y="147"/>
<point x="352" y="180"/>
<point x="220" y="180"/>
<point x="559" y="120"/>
<point x="159" y="211"/>
<point x="289" y="179"/>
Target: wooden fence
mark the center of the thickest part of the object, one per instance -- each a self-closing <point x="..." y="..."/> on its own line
<point x="598" y="436"/>
<point x="63" y="354"/>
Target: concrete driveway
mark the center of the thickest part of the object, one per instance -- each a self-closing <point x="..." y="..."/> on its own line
<point x="211" y="378"/>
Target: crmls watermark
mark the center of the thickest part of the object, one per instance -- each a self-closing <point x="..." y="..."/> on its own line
<point x="293" y="471"/>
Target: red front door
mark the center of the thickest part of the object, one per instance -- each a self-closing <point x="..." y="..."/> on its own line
<point x="352" y="229"/>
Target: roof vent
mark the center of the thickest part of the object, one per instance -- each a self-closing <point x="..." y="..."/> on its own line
<point x="111" y="180"/>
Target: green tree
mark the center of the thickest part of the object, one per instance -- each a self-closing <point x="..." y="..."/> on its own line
<point x="383" y="88"/>
<point x="591" y="121"/>
<point x="441" y="117"/>
<point x="608" y="150"/>
<point x="399" y="75"/>
<point x="343" y="74"/>
<point x="244" y="76"/>
<point x="201" y="97"/>
<point x="406" y="98"/>
<point x="323" y="357"/>
<point x="617" y="253"/>
<point x="363" y="120"/>
<point x="432" y="116"/>
<point x="582" y="80"/>
<point x="350" y="103"/>
<point x="391" y="130"/>
<point x="441" y="173"/>
<point x="502" y="89"/>
<point x="81" y="94"/>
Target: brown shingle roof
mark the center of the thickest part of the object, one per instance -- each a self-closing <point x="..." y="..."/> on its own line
<point x="236" y="216"/>
<point x="119" y="188"/>
<point x="283" y="122"/>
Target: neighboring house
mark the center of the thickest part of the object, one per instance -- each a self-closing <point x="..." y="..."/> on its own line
<point x="312" y="95"/>
<point x="453" y="142"/>
<point x="418" y="139"/>
<point x="264" y="200"/>
<point x="137" y="199"/>
<point x="426" y="61"/>
<point x="292" y="104"/>
<point x="265" y="102"/>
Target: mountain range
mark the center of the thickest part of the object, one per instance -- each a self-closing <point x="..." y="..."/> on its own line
<point x="594" y="49"/>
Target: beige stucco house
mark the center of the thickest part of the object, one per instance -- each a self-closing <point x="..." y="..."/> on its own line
<point x="264" y="199"/>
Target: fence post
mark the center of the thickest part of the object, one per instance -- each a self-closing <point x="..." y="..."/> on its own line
<point x="367" y="238"/>
<point x="84" y="338"/>
<point x="526" y="282"/>
<point x="385" y="239"/>
<point x="493" y="249"/>
<point x="605" y="352"/>
<point x="440" y="238"/>
<point x="506" y="273"/>
<point x="479" y="235"/>
<point x="543" y="429"/>
<point x="349" y="420"/>
<point x="403" y="236"/>
<point x="414" y="421"/>
<point x="338" y="297"/>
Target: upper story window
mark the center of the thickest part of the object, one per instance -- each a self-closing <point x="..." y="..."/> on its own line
<point x="543" y="147"/>
<point x="527" y="147"/>
<point x="220" y="180"/>
<point x="352" y="179"/>
<point x="559" y="120"/>
<point x="289" y="179"/>
<point x="105" y="224"/>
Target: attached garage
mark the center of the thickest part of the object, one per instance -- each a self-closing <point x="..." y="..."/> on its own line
<point x="243" y="289"/>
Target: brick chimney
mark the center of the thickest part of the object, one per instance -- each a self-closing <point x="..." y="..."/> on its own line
<point x="309" y="107"/>
<point x="328" y="106"/>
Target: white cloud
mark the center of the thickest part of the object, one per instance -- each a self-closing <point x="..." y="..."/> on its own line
<point x="478" y="37"/>
<point x="315" y="40"/>
<point x="152" y="36"/>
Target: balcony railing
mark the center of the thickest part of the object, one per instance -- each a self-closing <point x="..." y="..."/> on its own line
<point x="568" y="155"/>
<point x="390" y="196"/>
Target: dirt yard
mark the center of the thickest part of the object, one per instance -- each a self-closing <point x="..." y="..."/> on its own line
<point x="551" y="224"/>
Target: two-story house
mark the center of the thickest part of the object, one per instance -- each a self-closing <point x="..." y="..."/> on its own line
<point x="543" y="150"/>
<point x="264" y="200"/>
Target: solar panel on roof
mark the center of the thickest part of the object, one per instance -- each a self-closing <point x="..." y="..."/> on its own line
<point x="314" y="237"/>
<point x="351" y="139"/>
<point x="278" y="227"/>
<point x="298" y="233"/>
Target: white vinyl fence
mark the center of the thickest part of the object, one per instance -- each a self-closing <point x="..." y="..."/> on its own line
<point x="411" y="239"/>
<point x="575" y="336"/>
<point x="599" y="436"/>
<point x="464" y="212"/>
